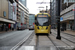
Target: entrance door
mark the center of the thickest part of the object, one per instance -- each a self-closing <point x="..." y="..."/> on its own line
<point x="64" y="26"/>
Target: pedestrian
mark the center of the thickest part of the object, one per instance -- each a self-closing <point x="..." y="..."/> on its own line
<point x="6" y="28"/>
<point x="71" y="27"/>
<point x="9" y="26"/>
<point x="2" y="28"/>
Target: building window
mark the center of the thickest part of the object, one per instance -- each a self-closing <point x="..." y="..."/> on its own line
<point x="4" y="13"/>
<point x="65" y="1"/>
<point x="71" y="0"/>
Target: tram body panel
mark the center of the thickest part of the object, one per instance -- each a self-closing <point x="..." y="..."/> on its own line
<point x="43" y="26"/>
<point x="42" y="29"/>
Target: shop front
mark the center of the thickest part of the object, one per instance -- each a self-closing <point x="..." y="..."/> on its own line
<point x="5" y="24"/>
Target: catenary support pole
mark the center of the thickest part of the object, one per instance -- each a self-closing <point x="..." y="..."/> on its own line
<point x="50" y="16"/>
<point x="74" y="18"/>
<point x="58" y="22"/>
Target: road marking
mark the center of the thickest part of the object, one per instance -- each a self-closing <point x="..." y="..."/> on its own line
<point x="27" y="48"/>
<point x="12" y="33"/>
<point x="16" y="46"/>
<point x="4" y="36"/>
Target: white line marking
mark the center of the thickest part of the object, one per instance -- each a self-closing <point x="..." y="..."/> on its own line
<point x="16" y="46"/>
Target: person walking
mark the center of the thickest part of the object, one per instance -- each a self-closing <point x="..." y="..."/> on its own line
<point x="71" y="27"/>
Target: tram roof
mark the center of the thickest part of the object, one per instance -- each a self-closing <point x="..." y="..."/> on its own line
<point x="42" y="13"/>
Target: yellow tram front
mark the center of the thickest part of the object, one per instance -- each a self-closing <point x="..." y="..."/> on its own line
<point x="42" y="23"/>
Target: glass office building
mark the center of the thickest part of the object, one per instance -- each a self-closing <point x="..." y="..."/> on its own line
<point x="23" y="2"/>
<point x="31" y="19"/>
<point x="70" y="1"/>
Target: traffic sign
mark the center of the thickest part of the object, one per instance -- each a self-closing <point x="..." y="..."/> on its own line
<point x="61" y="18"/>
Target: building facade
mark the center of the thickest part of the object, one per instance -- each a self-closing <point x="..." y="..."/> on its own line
<point x="12" y="14"/>
<point x="53" y="13"/>
<point x="24" y="2"/>
<point x="22" y="13"/>
<point x="5" y="20"/>
<point x="67" y="14"/>
<point x="31" y="19"/>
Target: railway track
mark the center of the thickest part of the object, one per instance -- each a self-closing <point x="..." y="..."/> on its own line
<point x="72" y="47"/>
<point x="19" y="45"/>
<point x="61" y="40"/>
<point x="66" y="38"/>
<point x="66" y="33"/>
<point x="38" y="42"/>
<point x="53" y="43"/>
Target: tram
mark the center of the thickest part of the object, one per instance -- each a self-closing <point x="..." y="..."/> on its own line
<point x="42" y="23"/>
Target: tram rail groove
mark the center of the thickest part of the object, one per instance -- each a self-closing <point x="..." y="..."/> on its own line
<point x="66" y="43"/>
<point x="66" y="33"/>
<point x="62" y="41"/>
<point x="53" y="42"/>
<point x="37" y="42"/>
<point x="66" y="39"/>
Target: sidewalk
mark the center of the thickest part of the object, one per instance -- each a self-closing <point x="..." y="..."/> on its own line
<point x="67" y="31"/>
<point x="7" y="31"/>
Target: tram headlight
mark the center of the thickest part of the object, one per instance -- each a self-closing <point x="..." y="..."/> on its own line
<point x="46" y="27"/>
<point x="37" y="27"/>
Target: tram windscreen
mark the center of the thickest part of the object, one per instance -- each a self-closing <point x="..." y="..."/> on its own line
<point x="43" y="21"/>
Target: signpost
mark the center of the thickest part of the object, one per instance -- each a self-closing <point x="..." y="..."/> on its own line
<point x="61" y="18"/>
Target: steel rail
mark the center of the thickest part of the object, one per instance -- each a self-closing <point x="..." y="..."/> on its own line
<point x="53" y="43"/>
<point x="67" y="39"/>
<point x="37" y="42"/>
<point x="62" y="41"/>
<point x="67" y="34"/>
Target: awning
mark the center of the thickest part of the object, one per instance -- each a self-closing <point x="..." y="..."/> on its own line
<point x="6" y="20"/>
<point x="68" y="19"/>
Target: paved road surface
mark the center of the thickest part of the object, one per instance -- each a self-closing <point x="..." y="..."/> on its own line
<point x="10" y="39"/>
